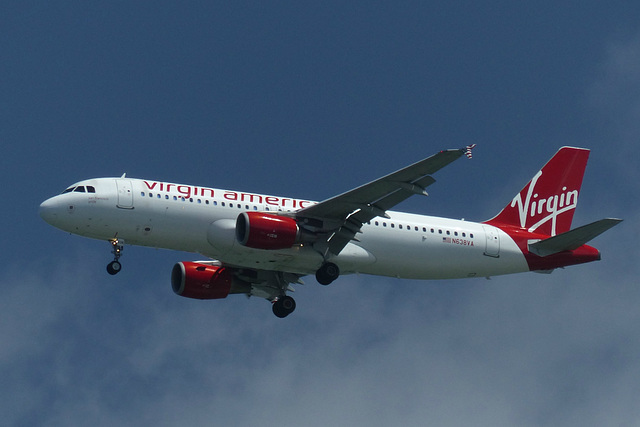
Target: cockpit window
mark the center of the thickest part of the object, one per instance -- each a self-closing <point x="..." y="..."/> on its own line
<point x="80" y="189"/>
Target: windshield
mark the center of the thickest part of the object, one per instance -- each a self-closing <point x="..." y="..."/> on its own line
<point x="80" y="189"/>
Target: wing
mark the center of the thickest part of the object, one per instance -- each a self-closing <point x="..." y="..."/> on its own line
<point x="341" y="217"/>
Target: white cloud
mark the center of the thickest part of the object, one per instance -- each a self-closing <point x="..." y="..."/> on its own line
<point x="80" y="348"/>
<point x="523" y="350"/>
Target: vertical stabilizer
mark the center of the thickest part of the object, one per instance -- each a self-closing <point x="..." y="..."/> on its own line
<point x="547" y="203"/>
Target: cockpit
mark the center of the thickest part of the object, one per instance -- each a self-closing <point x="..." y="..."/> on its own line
<point x="80" y="189"/>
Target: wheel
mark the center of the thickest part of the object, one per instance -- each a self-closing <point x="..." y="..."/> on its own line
<point x="114" y="267"/>
<point x="288" y="304"/>
<point x="327" y="273"/>
<point x="284" y="306"/>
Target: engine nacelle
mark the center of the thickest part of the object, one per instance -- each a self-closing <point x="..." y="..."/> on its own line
<point x="263" y="231"/>
<point x="203" y="281"/>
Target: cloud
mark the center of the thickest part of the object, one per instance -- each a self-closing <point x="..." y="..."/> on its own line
<point x="525" y="350"/>
<point x="80" y="347"/>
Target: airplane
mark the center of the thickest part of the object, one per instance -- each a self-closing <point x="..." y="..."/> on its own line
<point x="259" y="245"/>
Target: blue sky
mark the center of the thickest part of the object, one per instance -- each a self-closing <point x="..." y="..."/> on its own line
<point x="309" y="100"/>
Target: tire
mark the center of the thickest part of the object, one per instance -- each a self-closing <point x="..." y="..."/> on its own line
<point x="327" y="273"/>
<point x="113" y="268"/>
<point x="284" y="306"/>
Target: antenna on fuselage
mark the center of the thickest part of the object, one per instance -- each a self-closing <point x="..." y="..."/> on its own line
<point x="124" y="175"/>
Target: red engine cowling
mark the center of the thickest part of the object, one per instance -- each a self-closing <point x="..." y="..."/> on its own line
<point x="201" y="281"/>
<point x="263" y="231"/>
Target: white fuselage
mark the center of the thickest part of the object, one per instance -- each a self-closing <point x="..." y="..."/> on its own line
<point x="202" y="220"/>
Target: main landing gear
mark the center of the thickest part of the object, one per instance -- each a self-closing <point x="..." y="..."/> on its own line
<point x="283" y="306"/>
<point x="327" y="273"/>
<point x="114" y="266"/>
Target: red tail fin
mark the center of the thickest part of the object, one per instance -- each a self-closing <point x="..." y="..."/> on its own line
<point x="547" y="203"/>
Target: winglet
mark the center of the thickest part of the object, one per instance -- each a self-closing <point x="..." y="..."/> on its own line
<point x="467" y="150"/>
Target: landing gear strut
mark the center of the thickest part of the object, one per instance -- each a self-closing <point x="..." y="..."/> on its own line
<point x="327" y="273"/>
<point x="114" y="266"/>
<point x="283" y="306"/>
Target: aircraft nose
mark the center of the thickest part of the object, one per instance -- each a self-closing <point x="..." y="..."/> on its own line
<point x="49" y="210"/>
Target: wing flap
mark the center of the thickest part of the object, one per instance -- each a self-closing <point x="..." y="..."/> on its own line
<point x="572" y="239"/>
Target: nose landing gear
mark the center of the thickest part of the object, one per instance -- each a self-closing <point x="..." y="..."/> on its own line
<point x="114" y="266"/>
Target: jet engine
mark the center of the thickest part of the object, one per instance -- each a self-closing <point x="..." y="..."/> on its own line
<point x="205" y="281"/>
<point x="263" y="231"/>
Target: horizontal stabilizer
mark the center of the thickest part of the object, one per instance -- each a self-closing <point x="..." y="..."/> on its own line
<point x="572" y="239"/>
